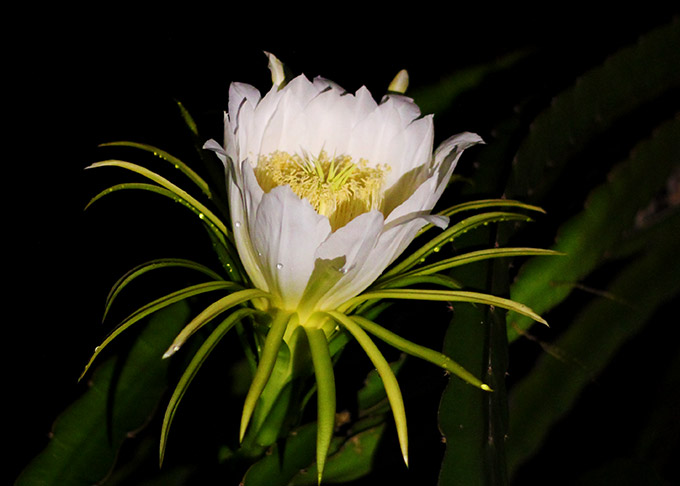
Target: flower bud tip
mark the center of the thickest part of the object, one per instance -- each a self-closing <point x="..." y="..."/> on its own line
<point x="276" y="68"/>
<point x="400" y="82"/>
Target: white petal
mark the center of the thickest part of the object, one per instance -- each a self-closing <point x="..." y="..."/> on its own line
<point x="245" y="195"/>
<point x="446" y="158"/>
<point x="285" y="234"/>
<point x="390" y="243"/>
<point x="407" y="109"/>
<point x="239" y="94"/>
<point x="418" y="202"/>
<point x="217" y="148"/>
<point x="409" y="149"/>
<point x="355" y="241"/>
<point x="372" y="135"/>
<point x="280" y="130"/>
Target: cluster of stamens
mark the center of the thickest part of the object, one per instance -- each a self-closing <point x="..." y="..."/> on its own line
<point x="336" y="187"/>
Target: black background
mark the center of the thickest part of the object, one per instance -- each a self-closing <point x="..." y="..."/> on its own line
<point x="77" y="79"/>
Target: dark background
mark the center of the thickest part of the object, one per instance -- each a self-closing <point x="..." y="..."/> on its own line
<point x="78" y="79"/>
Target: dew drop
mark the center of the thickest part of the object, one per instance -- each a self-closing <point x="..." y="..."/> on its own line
<point x="237" y="224"/>
<point x="435" y="249"/>
<point x="201" y="215"/>
<point x="279" y="266"/>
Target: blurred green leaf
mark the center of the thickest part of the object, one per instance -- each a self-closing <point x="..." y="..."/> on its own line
<point x="598" y="331"/>
<point x="353" y="460"/>
<point x="610" y="212"/>
<point x="629" y="79"/>
<point x="292" y="461"/>
<point x="439" y="97"/>
<point x="474" y="422"/>
<point x="81" y="452"/>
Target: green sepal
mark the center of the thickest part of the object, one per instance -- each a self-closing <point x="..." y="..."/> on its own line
<point x="192" y="368"/>
<point x="448" y="236"/>
<point x="211" y="312"/>
<point x="389" y="380"/>
<point x="155" y="306"/>
<point x="482" y="204"/>
<point x="464" y="259"/>
<point x="443" y="296"/>
<point x="421" y="352"/>
<point x="153" y="265"/>
<point x="264" y="369"/>
<point x="161" y="154"/>
<point x="182" y="196"/>
<point x="414" y="278"/>
<point x="325" y="391"/>
<point x="188" y="119"/>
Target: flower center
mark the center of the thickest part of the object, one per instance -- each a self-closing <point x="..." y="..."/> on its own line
<point x="336" y="187"/>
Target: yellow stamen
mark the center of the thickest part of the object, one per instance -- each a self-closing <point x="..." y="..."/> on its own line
<point x="336" y="187"/>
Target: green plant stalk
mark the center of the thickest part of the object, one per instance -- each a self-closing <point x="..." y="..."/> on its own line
<point x="474" y="423"/>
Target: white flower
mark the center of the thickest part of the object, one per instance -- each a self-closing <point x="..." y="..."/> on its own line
<point x="317" y="175"/>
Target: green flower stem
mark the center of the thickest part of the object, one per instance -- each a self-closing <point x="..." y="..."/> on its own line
<point x="418" y="351"/>
<point x="386" y="374"/>
<point x="264" y="370"/>
<point x="325" y="382"/>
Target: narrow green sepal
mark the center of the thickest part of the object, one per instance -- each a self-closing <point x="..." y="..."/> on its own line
<point x="264" y="369"/>
<point x="181" y="194"/>
<point x="389" y="380"/>
<point x="325" y="383"/>
<point x="192" y="369"/>
<point x="162" y="154"/>
<point x="210" y="312"/>
<point x="153" y="265"/>
<point x="444" y="296"/>
<point x="418" y="351"/>
<point x="154" y="306"/>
